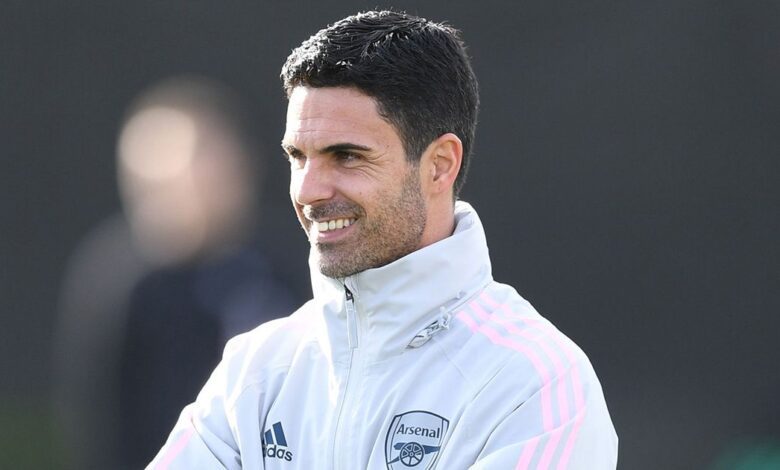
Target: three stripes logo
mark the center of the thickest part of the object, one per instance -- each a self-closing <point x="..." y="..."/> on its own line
<point x="275" y="444"/>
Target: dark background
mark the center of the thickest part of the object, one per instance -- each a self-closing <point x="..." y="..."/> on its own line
<point x="626" y="171"/>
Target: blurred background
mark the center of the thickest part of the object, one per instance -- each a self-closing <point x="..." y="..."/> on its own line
<point x="626" y="170"/>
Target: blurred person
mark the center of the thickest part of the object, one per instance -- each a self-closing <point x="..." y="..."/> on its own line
<point x="409" y="355"/>
<point x="153" y="295"/>
<point x="100" y="274"/>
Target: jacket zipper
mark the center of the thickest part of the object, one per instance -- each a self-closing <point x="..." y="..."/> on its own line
<point x="351" y="319"/>
<point x="340" y="455"/>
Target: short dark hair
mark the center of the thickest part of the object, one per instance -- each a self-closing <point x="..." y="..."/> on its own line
<point x="417" y="71"/>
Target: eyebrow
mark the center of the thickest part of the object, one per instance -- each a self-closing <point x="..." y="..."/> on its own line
<point x="344" y="147"/>
<point x="334" y="148"/>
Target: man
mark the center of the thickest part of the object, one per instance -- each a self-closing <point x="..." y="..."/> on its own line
<point x="409" y="355"/>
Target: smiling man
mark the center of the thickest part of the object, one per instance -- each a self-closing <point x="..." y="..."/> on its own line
<point x="409" y="355"/>
<point x="356" y="195"/>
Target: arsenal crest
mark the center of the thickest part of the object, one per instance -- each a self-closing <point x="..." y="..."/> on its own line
<point x="414" y="440"/>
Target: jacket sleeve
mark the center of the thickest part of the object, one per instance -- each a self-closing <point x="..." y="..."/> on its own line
<point x="202" y="437"/>
<point x="576" y="437"/>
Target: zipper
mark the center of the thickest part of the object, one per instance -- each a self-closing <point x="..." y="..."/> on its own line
<point x="341" y="455"/>
<point x="351" y="319"/>
<point x="441" y="323"/>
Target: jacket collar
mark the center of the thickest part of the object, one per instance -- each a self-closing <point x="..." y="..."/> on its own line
<point x="397" y="301"/>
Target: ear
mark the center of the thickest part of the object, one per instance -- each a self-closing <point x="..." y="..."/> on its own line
<point x="442" y="160"/>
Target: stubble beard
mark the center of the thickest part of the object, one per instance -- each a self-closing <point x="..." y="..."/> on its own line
<point x="394" y="231"/>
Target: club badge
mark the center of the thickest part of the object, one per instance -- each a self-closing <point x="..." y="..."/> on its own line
<point x="414" y="439"/>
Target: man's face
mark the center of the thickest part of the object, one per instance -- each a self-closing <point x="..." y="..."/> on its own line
<point x="355" y="194"/>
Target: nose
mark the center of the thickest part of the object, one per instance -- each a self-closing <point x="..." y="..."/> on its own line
<point x="311" y="183"/>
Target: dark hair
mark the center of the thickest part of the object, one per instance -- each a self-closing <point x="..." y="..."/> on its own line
<point x="417" y="71"/>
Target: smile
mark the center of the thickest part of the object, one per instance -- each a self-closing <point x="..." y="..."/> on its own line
<point x="334" y="224"/>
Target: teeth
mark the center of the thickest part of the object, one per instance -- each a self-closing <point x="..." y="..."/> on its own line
<point x="334" y="224"/>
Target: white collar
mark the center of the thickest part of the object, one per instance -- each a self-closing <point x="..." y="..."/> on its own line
<point x="396" y="301"/>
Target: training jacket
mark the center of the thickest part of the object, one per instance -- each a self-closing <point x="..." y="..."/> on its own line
<point x="424" y="363"/>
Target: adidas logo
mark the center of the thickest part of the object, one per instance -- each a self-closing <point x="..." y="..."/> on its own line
<point x="275" y="444"/>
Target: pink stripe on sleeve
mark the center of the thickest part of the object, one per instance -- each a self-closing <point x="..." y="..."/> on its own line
<point x="579" y="399"/>
<point x="495" y="338"/>
<point x="564" y="462"/>
<point x="528" y="454"/>
<point x="176" y="448"/>
<point x="465" y="318"/>
<point x="563" y="402"/>
<point x="549" y="449"/>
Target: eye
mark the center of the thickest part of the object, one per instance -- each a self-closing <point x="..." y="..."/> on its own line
<point x="296" y="159"/>
<point x="347" y="157"/>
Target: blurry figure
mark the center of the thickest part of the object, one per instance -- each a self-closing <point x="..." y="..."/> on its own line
<point x="151" y="298"/>
<point x="186" y="173"/>
<point x="97" y="283"/>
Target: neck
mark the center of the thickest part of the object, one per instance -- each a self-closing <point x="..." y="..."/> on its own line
<point x="439" y="225"/>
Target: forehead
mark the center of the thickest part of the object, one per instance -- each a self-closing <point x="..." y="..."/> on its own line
<point x="318" y="117"/>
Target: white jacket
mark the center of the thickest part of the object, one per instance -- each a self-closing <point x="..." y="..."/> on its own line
<point x="424" y="363"/>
